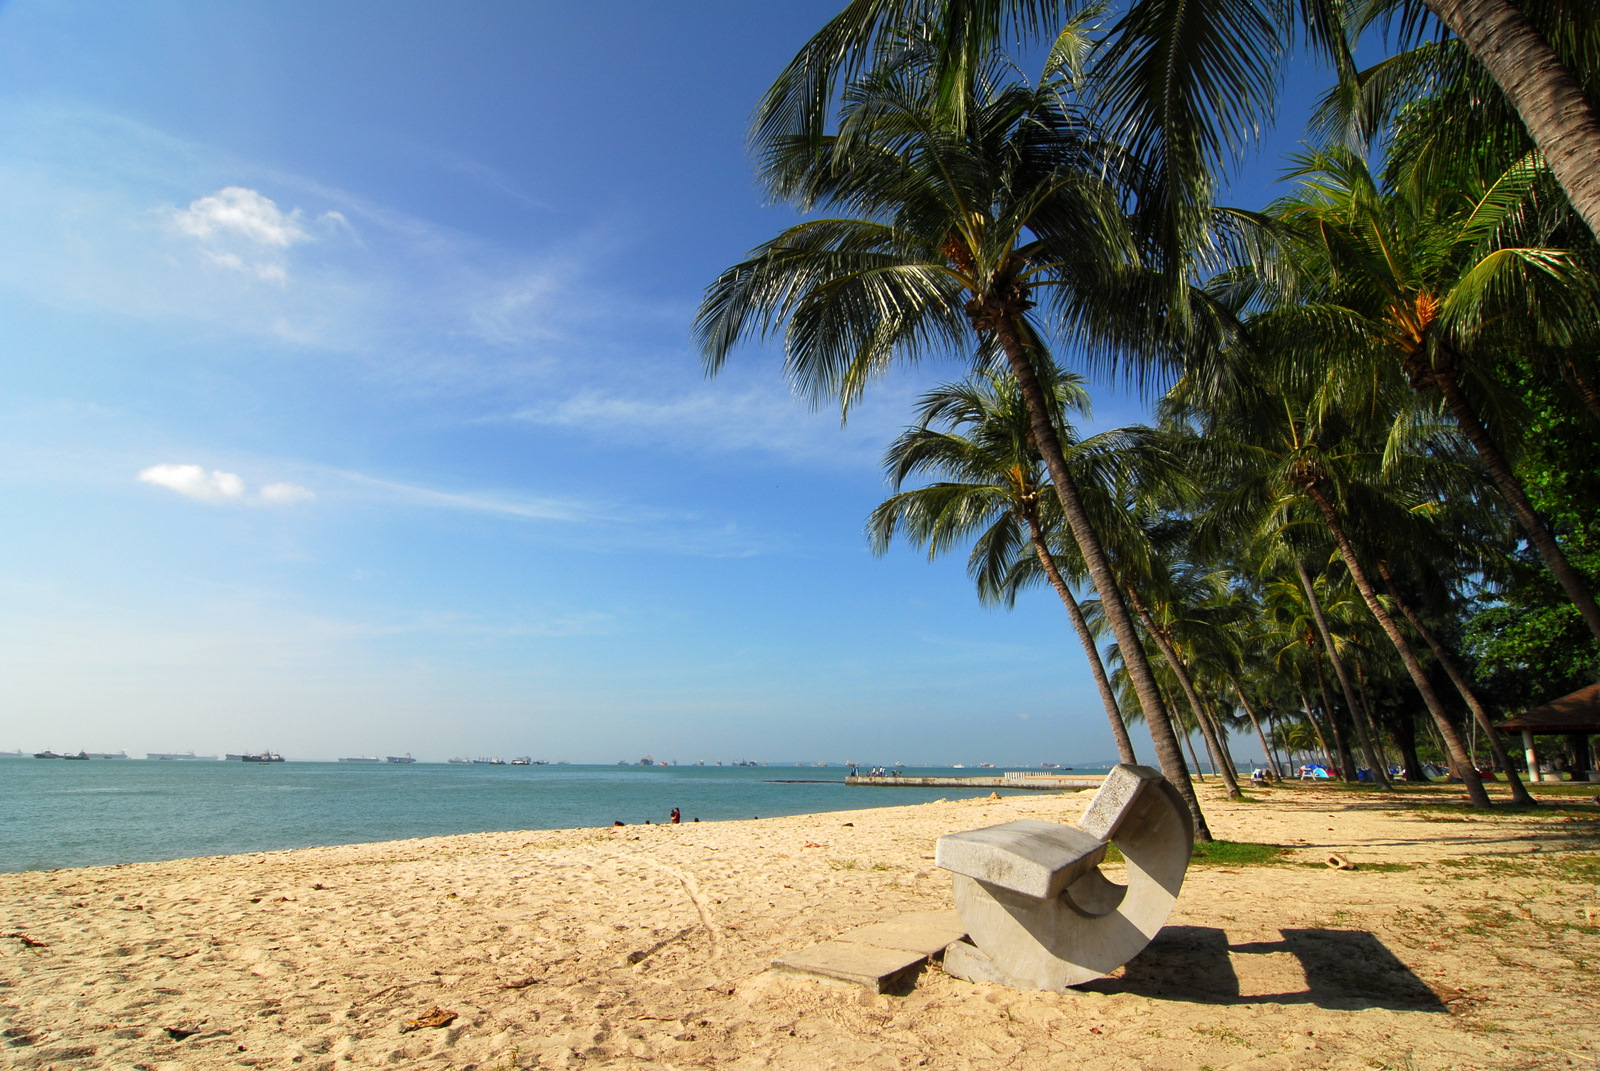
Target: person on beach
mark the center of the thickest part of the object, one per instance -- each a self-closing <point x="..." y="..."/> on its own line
<point x="677" y="816"/>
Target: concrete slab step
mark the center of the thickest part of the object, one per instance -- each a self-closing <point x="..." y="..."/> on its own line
<point x="876" y="954"/>
<point x="927" y="932"/>
<point x="841" y="961"/>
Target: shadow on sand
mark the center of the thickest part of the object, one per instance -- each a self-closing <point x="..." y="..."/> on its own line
<point x="1345" y="969"/>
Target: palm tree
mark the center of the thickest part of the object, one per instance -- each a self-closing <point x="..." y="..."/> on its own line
<point x="1519" y="792"/>
<point x="1358" y="714"/>
<point x="978" y="435"/>
<point x="952" y="235"/>
<point x="1277" y="448"/>
<point x="1545" y="92"/>
<point x="1433" y="280"/>
<point x="1193" y="81"/>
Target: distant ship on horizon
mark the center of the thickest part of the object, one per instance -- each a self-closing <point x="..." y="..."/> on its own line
<point x="264" y="756"/>
<point x="403" y="760"/>
<point x="187" y="756"/>
<point x="362" y="758"/>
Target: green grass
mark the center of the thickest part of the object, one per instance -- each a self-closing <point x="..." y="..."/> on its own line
<point x="1226" y="853"/>
<point x="1239" y="853"/>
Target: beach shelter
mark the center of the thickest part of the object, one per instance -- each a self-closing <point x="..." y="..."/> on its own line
<point x="1575" y="716"/>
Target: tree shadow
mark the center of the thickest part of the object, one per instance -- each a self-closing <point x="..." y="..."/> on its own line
<point x="1344" y="969"/>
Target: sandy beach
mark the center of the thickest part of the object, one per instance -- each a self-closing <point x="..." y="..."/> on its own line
<point x="1460" y="941"/>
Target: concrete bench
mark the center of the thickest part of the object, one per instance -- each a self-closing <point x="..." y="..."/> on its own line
<point x="1039" y="913"/>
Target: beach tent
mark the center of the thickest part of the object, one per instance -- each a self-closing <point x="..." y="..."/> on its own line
<point x="1575" y="716"/>
<point x="1314" y="771"/>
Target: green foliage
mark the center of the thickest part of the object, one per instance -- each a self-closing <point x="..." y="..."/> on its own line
<point x="1530" y="644"/>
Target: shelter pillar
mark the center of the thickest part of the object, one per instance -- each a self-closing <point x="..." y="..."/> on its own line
<point x="1531" y="754"/>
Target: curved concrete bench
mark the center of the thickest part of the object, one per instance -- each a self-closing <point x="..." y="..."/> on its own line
<point x="1037" y="909"/>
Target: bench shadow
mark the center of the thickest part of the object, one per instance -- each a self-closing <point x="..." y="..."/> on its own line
<point x="1344" y="969"/>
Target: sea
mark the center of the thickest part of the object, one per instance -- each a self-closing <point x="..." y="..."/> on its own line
<point x="55" y="813"/>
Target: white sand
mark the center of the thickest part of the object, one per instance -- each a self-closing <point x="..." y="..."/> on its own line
<point x="648" y="947"/>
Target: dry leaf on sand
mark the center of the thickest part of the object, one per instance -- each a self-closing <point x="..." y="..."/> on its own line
<point x="436" y="1018"/>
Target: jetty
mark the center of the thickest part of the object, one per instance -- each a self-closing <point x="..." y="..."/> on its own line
<point x="1010" y="779"/>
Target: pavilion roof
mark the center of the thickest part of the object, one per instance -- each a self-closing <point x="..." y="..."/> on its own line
<point x="1575" y="713"/>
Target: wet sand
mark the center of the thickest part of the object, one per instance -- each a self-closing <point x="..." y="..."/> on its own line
<point x="1460" y="941"/>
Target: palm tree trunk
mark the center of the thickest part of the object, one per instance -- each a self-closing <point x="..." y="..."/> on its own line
<point x="1221" y="732"/>
<point x="1168" y="752"/>
<point x="1510" y="488"/>
<point x="1199" y="768"/>
<point x="1586" y="390"/>
<point x="1545" y="93"/>
<point x="1316" y="726"/>
<point x="1347" y="761"/>
<point x="1181" y="671"/>
<point x="1452" y="739"/>
<point x="1519" y="792"/>
<point x="1372" y="719"/>
<point x="1090" y="648"/>
<point x="1357" y="710"/>
<point x="1272" y="760"/>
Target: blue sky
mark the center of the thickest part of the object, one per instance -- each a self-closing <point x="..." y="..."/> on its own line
<point x="347" y="406"/>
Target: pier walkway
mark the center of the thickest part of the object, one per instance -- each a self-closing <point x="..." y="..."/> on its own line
<point x="1008" y="780"/>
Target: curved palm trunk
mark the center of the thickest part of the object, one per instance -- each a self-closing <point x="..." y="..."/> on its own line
<point x="1505" y="480"/>
<point x="1586" y="390"/>
<point x="1447" y="731"/>
<point x="1168" y="752"/>
<point x="1219" y="761"/>
<point x="1372" y="719"/>
<point x="1221" y="730"/>
<point x="1357" y="710"/>
<point x="1272" y="760"/>
<point x="1316" y="726"/>
<point x="1519" y="793"/>
<point x="1547" y="95"/>
<point x="1090" y="648"/>
<point x="1188" y="742"/>
<point x="1347" y="761"/>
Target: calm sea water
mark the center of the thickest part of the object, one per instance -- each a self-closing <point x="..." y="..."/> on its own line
<point x="55" y="813"/>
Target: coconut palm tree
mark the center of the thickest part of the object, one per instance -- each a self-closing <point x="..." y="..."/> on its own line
<point x="1529" y="70"/>
<point x="1192" y="82"/>
<point x="995" y="493"/>
<point x="1441" y="283"/>
<point x="1287" y="454"/>
<point x="951" y="235"/>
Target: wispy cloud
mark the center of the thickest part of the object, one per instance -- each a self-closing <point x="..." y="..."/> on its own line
<point x="591" y="524"/>
<point x="244" y="230"/>
<point x="286" y="494"/>
<point x="192" y="481"/>
<point x="216" y="486"/>
<point x="568" y="511"/>
<point x="236" y="211"/>
<point x="102" y="214"/>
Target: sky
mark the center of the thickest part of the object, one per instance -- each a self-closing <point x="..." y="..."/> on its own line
<point x="348" y="406"/>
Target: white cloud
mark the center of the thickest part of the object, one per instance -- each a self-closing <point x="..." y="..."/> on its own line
<point x="286" y="494"/>
<point x="194" y="482"/>
<point x="234" y="210"/>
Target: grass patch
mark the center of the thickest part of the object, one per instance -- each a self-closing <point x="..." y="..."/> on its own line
<point x="1225" y="853"/>
<point x="1239" y="853"/>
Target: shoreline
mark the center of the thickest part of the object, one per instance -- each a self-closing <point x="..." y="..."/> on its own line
<point x="648" y="946"/>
